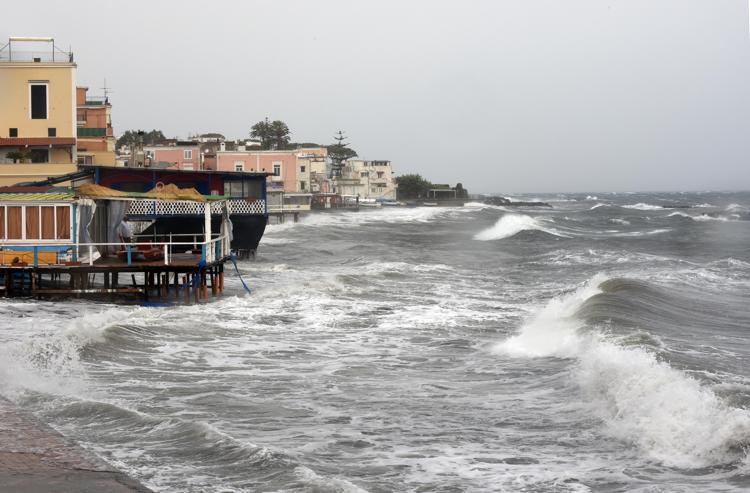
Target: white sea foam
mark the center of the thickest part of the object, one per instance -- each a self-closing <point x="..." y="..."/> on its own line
<point x="643" y="207"/>
<point x="480" y="205"/>
<point x="700" y="217"/>
<point x="679" y="214"/>
<point x="553" y="331"/>
<point x="403" y="267"/>
<point x="666" y="413"/>
<point x="512" y="224"/>
<point x="320" y="483"/>
<point x="704" y="206"/>
<point x="617" y="220"/>
<point x="599" y="205"/>
<point x="592" y="197"/>
<point x="706" y="217"/>
<point x="50" y="362"/>
<point x="642" y="233"/>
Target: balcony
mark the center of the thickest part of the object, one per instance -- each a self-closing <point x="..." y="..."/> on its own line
<point x="17" y="50"/>
<point x="96" y="101"/>
<point x="92" y="132"/>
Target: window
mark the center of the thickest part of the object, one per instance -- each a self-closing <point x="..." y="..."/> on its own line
<point x="40" y="155"/>
<point x="239" y="165"/>
<point x="14" y="222"/>
<point x="86" y="160"/>
<point x="364" y="174"/>
<point x="63" y="222"/>
<point x="34" y="222"/>
<point x="301" y="169"/>
<point x="38" y="97"/>
<point x="276" y="168"/>
<point x="51" y="132"/>
<point x="380" y="174"/>
<point x="12" y="132"/>
<point x="233" y="188"/>
<point x="248" y="188"/>
<point x="302" y="185"/>
<point x="188" y="154"/>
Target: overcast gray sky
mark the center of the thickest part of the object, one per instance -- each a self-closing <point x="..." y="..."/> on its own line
<point x="506" y="96"/>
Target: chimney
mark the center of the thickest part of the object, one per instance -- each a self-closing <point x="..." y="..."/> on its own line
<point x="222" y="146"/>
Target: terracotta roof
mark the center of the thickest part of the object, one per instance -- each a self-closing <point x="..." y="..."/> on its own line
<point x="37" y="141"/>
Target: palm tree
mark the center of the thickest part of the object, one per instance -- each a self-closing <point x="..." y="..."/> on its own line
<point x="272" y="134"/>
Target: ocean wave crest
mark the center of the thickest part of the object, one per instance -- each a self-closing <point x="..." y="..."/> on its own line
<point x="512" y="224"/>
<point x="643" y="207"/>
<point x="669" y="415"/>
<point x="700" y="217"/>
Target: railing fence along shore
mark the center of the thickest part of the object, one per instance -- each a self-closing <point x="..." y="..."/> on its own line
<point x="22" y="279"/>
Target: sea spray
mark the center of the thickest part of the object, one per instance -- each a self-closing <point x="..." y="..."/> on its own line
<point x="512" y="224"/>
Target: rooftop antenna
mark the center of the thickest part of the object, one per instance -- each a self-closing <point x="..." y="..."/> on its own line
<point x="108" y="90"/>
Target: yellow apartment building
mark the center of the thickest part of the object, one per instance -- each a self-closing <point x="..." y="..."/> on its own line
<point x="38" y="126"/>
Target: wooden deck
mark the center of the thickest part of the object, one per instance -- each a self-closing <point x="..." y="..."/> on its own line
<point x="186" y="277"/>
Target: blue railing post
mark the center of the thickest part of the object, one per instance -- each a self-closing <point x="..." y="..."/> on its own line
<point x="74" y="257"/>
<point x="203" y="253"/>
<point x="130" y="254"/>
<point x="36" y="256"/>
<point x="218" y="250"/>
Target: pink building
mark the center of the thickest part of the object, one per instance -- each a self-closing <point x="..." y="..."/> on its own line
<point x="288" y="174"/>
<point x="183" y="155"/>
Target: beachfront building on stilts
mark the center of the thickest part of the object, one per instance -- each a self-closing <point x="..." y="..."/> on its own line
<point x="61" y="241"/>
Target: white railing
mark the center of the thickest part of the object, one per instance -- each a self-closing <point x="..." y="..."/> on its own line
<point x="212" y="250"/>
<point x="152" y="207"/>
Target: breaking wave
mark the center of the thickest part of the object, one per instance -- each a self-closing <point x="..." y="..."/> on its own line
<point x="643" y="207"/>
<point x="700" y="217"/>
<point x="512" y="224"/>
<point x="669" y="415"/>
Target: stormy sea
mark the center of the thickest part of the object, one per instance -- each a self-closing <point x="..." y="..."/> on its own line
<point x="597" y="345"/>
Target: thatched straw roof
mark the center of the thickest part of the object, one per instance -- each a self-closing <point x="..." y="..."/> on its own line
<point x="160" y="192"/>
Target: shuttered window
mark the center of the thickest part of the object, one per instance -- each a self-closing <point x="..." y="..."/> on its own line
<point x="32" y="222"/>
<point x="48" y="222"/>
<point x="38" y="101"/>
<point x="15" y="220"/>
<point x="63" y="223"/>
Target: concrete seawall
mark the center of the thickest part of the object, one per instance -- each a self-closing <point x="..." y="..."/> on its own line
<point x="35" y="458"/>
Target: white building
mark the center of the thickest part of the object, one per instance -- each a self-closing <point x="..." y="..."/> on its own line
<point x="367" y="180"/>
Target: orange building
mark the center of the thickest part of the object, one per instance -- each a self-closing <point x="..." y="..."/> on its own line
<point x="96" y="141"/>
